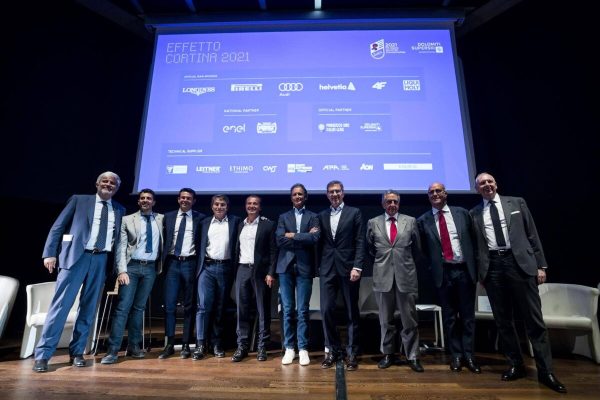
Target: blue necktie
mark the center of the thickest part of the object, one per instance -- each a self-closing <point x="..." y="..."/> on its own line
<point x="180" y="234"/>
<point x="101" y="239"/>
<point x="148" y="233"/>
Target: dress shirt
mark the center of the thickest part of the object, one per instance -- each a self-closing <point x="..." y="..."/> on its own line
<point x="489" y="227"/>
<point x="298" y="214"/>
<point x="96" y="225"/>
<point x="218" y="239"/>
<point x="187" y="249"/>
<point x="334" y="218"/>
<point x="247" y="241"/>
<point x="140" y="248"/>
<point x="457" y="256"/>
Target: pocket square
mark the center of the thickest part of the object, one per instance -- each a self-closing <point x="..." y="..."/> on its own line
<point x="515" y="212"/>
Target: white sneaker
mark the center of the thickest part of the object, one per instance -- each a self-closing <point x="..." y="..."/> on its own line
<point x="304" y="358"/>
<point x="288" y="357"/>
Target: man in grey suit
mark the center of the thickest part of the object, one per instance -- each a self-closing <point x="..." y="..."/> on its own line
<point x="139" y="260"/>
<point x="84" y="234"/>
<point x="446" y="235"/>
<point x="393" y="240"/>
<point x="511" y="264"/>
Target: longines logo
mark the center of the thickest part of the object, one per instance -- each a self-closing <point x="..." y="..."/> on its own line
<point x="198" y="91"/>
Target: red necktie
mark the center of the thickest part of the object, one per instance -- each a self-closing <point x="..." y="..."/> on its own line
<point x="445" y="237"/>
<point x="393" y="230"/>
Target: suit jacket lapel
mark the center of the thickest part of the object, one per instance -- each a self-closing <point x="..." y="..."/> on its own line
<point x="326" y="221"/>
<point x="92" y="209"/>
<point x="430" y="225"/>
<point x="507" y="209"/>
<point x="401" y="226"/>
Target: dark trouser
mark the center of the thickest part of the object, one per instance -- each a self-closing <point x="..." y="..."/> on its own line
<point x="510" y="289"/>
<point x="247" y="284"/>
<point x="214" y="285"/>
<point x="180" y="275"/>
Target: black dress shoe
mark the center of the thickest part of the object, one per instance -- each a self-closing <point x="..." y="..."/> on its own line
<point x="240" y="354"/>
<point x="387" y="361"/>
<point x="109" y="358"/>
<point x="329" y="361"/>
<point x="261" y="354"/>
<point x="77" y="361"/>
<point x="218" y="351"/>
<point x="553" y="383"/>
<point x="199" y="352"/>
<point x="352" y="363"/>
<point x="455" y="364"/>
<point x="513" y="373"/>
<point x="472" y="366"/>
<point x="186" y="352"/>
<point x="40" y="365"/>
<point x="135" y="352"/>
<point x="415" y="365"/>
<point x="169" y="350"/>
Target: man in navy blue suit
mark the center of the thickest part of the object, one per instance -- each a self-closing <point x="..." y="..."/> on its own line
<point x="82" y="237"/>
<point x="297" y="235"/>
<point x="180" y="255"/>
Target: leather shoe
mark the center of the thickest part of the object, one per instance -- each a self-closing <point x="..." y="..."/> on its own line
<point x="77" y="361"/>
<point x="513" y="373"/>
<point x="329" y="361"/>
<point x="240" y="354"/>
<point x="186" y="352"/>
<point x="553" y="383"/>
<point x="40" y="365"/>
<point x="218" y="351"/>
<point x="199" y="351"/>
<point x="387" y="361"/>
<point x="109" y="358"/>
<point x="455" y="364"/>
<point x="472" y="366"/>
<point x="261" y="354"/>
<point x="415" y="365"/>
<point x="169" y="350"/>
<point x="352" y="363"/>
<point x="135" y="352"/>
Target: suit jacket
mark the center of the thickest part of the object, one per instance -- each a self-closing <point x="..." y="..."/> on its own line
<point x="76" y="219"/>
<point x="394" y="260"/>
<point x="265" y="248"/>
<point x="131" y="229"/>
<point x="339" y="256"/>
<point x="432" y="245"/>
<point x="233" y="223"/>
<point x="170" y="220"/>
<point x="302" y="248"/>
<point x="522" y="233"/>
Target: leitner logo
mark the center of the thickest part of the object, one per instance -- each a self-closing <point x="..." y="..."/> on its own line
<point x="290" y="87"/>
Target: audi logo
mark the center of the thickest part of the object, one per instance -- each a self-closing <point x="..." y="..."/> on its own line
<point x="291" y="87"/>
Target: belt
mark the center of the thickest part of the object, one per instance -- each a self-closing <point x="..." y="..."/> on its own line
<point x="182" y="258"/>
<point x="247" y="265"/>
<point x="209" y="260"/>
<point x="500" y="252"/>
<point x="95" y="251"/>
<point x="142" y="262"/>
<point x="455" y="265"/>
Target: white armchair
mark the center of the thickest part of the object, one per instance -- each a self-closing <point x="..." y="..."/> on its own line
<point x="8" y="292"/>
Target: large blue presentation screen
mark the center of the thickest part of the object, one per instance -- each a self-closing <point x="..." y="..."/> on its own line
<point x="241" y="112"/>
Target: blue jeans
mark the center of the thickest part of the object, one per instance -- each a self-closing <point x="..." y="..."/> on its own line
<point x="294" y="287"/>
<point x="214" y="285"/>
<point x="132" y="303"/>
<point x="180" y="275"/>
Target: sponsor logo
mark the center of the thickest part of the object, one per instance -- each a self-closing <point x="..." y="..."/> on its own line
<point x="411" y="85"/>
<point x="379" y="85"/>
<point x="177" y="169"/>
<point x="301" y="168"/>
<point x="377" y="49"/>
<point x="366" y="167"/>
<point x="209" y="169"/>
<point x="428" y="47"/>
<point x="407" y="166"/>
<point x="270" y="168"/>
<point x="333" y="127"/>
<point x="246" y="87"/>
<point x="234" y="128"/>
<point x="340" y="86"/>
<point x="266" y="128"/>
<point x="241" y="169"/>
<point x="335" y="167"/>
<point x="198" y="91"/>
<point x="290" y="87"/>
<point x="371" y="127"/>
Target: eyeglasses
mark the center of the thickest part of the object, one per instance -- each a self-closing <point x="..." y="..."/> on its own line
<point x="435" y="191"/>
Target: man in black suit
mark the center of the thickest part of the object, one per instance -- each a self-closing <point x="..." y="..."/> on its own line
<point x="446" y="237"/>
<point x="182" y="241"/>
<point x="256" y="256"/>
<point x="511" y="264"/>
<point x="342" y="255"/>
<point x="215" y="273"/>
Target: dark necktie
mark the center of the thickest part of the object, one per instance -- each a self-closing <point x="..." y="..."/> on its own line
<point x="496" y="223"/>
<point x="445" y="237"/>
<point x="101" y="238"/>
<point x="148" y="233"/>
<point x="180" y="234"/>
<point x="393" y="230"/>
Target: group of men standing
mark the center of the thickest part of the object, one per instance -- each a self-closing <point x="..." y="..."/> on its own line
<point x="496" y="243"/>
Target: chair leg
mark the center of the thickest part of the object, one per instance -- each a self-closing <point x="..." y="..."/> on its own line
<point x="595" y="340"/>
<point x="29" y="341"/>
<point x="94" y="349"/>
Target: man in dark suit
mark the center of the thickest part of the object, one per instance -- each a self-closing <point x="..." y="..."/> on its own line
<point x="297" y="235"/>
<point x="342" y="257"/>
<point x="84" y="234"/>
<point x="214" y="274"/>
<point x="182" y="241"/>
<point x="446" y="236"/>
<point x="511" y="264"/>
<point x="256" y="256"/>
<point x="393" y="241"/>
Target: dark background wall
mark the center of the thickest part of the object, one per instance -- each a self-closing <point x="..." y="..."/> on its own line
<point x="74" y="86"/>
